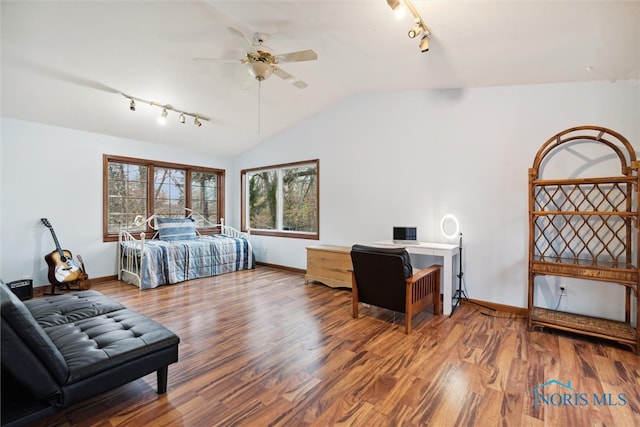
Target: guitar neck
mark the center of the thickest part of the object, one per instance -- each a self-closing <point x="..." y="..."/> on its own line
<point x="55" y="240"/>
<point x="47" y="224"/>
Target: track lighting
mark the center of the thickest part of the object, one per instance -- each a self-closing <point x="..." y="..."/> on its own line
<point x="397" y="7"/>
<point x="162" y="119"/>
<point x="424" y="43"/>
<point x="419" y="27"/>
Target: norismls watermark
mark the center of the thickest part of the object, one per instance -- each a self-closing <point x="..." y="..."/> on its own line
<point x="554" y="393"/>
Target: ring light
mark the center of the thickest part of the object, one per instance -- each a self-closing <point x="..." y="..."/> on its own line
<point x="447" y="222"/>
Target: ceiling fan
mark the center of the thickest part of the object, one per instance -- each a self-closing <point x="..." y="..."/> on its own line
<point x="262" y="63"/>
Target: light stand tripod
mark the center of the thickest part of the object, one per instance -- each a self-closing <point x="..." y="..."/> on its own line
<point x="459" y="293"/>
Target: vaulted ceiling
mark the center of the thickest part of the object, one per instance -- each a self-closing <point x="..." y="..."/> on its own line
<point x="67" y="63"/>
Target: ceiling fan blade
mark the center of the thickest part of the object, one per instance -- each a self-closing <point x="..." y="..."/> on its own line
<point x="247" y="43"/>
<point x="289" y="78"/>
<point x="299" y="56"/>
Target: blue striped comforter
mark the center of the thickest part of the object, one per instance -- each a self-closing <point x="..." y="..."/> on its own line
<point x="169" y="262"/>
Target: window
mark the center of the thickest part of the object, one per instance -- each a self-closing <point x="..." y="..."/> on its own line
<point x="282" y="200"/>
<point x="134" y="187"/>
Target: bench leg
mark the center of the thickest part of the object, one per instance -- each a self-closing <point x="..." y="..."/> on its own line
<point x="163" y="373"/>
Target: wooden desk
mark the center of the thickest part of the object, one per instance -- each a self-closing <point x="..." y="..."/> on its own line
<point x="444" y="250"/>
<point x="330" y="265"/>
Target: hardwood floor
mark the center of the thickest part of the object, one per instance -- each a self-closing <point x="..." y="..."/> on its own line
<point x="260" y="348"/>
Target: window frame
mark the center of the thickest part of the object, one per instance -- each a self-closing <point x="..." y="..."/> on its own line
<point x="244" y="214"/>
<point x="151" y="165"/>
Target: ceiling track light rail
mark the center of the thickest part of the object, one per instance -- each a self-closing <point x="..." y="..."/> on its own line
<point x="197" y="118"/>
<point x="419" y="27"/>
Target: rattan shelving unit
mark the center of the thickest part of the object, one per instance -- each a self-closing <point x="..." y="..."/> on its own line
<point x="586" y="228"/>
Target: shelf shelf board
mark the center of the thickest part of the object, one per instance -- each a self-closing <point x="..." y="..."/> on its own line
<point x="586" y="325"/>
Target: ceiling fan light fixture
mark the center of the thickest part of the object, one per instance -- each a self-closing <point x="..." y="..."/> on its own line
<point x="260" y="70"/>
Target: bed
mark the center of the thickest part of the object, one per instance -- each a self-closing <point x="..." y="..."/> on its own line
<point x="177" y="252"/>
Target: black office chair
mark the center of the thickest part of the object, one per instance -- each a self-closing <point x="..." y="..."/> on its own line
<point x="383" y="277"/>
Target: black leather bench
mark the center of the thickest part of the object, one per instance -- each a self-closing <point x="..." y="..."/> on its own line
<point x="60" y="350"/>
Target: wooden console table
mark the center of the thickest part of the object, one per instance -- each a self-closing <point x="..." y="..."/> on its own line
<point x="330" y="265"/>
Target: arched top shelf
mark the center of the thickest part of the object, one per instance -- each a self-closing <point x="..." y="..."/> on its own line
<point x="587" y="228"/>
<point x="616" y="142"/>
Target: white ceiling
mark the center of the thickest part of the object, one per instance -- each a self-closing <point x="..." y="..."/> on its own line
<point x="66" y="62"/>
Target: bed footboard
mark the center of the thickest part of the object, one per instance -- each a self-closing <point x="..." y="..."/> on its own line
<point x="130" y="258"/>
<point x="232" y="232"/>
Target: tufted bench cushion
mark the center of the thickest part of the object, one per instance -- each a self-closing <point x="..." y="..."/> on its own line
<point x="98" y="343"/>
<point x="69" y="308"/>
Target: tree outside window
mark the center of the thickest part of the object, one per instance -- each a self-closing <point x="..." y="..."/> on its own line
<point x="169" y="192"/>
<point x="282" y="200"/>
<point x="127" y="194"/>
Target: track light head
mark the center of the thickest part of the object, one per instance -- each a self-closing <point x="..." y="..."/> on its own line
<point x="132" y="105"/>
<point x="182" y="119"/>
<point x="197" y="122"/>
<point x="397" y="7"/>
<point x="417" y="29"/>
<point x="163" y="117"/>
<point x="424" y="43"/>
<point x="393" y="4"/>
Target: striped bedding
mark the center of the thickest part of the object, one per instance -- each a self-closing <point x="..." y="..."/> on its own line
<point x="169" y="262"/>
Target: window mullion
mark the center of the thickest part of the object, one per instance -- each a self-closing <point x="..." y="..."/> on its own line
<point x="151" y="199"/>
<point x="187" y="191"/>
<point x="280" y="202"/>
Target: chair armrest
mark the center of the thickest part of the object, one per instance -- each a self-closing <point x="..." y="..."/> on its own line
<point x="424" y="272"/>
<point x="423" y="288"/>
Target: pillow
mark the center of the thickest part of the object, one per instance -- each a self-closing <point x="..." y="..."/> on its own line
<point x="176" y="228"/>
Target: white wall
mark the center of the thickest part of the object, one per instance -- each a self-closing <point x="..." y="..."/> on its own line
<point x="385" y="159"/>
<point x="56" y="173"/>
<point x="409" y="158"/>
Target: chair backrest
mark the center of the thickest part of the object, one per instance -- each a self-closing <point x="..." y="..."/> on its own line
<point x="380" y="275"/>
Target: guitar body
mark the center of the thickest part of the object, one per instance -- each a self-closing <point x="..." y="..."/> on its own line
<point x="62" y="269"/>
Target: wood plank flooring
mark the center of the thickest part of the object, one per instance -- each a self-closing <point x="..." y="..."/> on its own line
<point x="259" y="348"/>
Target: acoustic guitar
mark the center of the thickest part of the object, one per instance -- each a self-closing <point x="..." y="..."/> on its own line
<point x="63" y="270"/>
